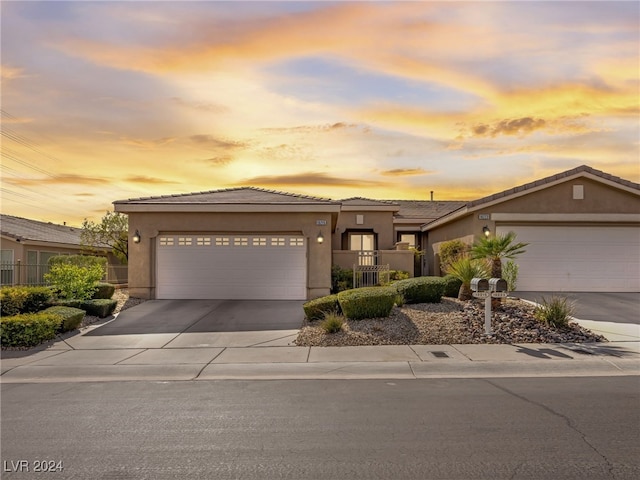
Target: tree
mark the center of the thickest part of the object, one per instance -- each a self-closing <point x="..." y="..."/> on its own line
<point x="466" y="269"/>
<point x="496" y="248"/>
<point x="112" y="231"/>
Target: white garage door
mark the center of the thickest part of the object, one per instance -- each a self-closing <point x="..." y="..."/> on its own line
<point x="578" y="259"/>
<point x="251" y="267"/>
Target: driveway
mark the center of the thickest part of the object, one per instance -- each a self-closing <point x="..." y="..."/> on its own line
<point x="198" y="316"/>
<point x="612" y="307"/>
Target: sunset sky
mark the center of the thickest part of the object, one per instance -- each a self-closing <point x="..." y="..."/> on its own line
<point x="104" y="101"/>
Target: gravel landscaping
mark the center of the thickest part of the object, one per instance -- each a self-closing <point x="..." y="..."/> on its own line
<point x="449" y="322"/>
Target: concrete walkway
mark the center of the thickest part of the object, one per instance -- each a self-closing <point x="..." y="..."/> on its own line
<point x="271" y="355"/>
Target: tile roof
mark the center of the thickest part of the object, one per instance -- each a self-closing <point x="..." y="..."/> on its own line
<point x="25" y="229"/>
<point x="367" y="202"/>
<point x="242" y="195"/>
<point x="427" y="209"/>
<point x="553" y="178"/>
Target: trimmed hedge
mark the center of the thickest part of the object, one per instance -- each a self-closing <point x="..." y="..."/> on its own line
<point x="71" y="317"/>
<point x="367" y="302"/>
<point x="29" y="329"/>
<point x="23" y="299"/>
<point x="104" y="290"/>
<point x="421" y="289"/>
<point x="315" y="309"/>
<point x="84" y="261"/>
<point x="451" y="286"/>
<point x="100" y="307"/>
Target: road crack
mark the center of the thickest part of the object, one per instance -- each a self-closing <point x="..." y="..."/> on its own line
<point x="565" y="418"/>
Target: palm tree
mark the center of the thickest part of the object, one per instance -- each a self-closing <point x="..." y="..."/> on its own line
<point x="495" y="249"/>
<point x="465" y="269"/>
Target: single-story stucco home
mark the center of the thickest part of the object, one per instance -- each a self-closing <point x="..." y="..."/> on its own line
<point x="26" y="246"/>
<point x="582" y="227"/>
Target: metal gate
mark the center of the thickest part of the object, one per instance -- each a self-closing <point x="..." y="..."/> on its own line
<point x="370" y="275"/>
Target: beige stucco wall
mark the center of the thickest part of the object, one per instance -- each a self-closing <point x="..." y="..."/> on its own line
<point x="379" y="222"/>
<point x="599" y="198"/>
<point x="142" y="256"/>
<point x="396" y="259"/>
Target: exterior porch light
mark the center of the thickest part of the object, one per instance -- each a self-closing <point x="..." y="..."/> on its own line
<point x="136" y="237"/>
<point x="320" y="237"/>
<point x="486" y="231"/>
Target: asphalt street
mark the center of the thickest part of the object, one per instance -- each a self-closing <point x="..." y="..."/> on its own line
<point x="529" y="428"/>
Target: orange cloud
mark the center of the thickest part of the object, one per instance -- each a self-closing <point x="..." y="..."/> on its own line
<point x="58" y="179"/>
<point x="148" y="180"/>
<point x="309" y="179"/>
<point x="405" y="172"/>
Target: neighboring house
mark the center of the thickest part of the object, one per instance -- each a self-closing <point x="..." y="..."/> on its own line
<point x="583" y="227"/>
<point x="27" y="245"/>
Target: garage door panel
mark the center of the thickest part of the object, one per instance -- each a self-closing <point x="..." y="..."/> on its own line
<point x="232" y="267"/>
<point x="578" y="258"/>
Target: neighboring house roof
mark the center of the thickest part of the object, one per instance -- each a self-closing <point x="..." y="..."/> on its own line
<point x="552" y="179"/>
<point x="24" y="229"/>
<point x="360" y="203"/>
<point x="426" y="210"/>
<point x="581" y="171"/>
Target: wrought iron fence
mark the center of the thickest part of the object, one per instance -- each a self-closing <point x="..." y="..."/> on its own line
<point x="33" y="274"/>
<point x="370" y="275"/>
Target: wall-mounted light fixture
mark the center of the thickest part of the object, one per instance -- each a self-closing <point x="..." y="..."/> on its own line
<point x="486" y="231"/>
<point x="320" y="237"/>
<point x="136" y="237"/>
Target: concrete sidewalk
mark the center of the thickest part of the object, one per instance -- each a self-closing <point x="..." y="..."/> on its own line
<point x="62" y="362"/>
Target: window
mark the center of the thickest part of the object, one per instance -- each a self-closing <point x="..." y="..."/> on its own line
<point x="362" y="241"/>
<point x="240" y="241"/>
<point x="184" y="241"/>
<point x="259" y="242"/>
<point x="410" y="238"/>
<point x="6" y="272"/>
<point x="166" y="241"/>
<point x="278" y="242"/>
<point x="296" y="242"/>
<point x="222" y="241"/>
<point x="203" y="241"/>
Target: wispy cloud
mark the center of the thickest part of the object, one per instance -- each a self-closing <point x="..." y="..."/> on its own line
<point x="310" y="179"/>
<point x="142" y="179"/>
<point x="405" y="172"/>
<point x="72" y="179"/>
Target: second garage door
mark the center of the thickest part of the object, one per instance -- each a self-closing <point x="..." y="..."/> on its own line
<point x="578" y="258"/>
<point x="248" y="267"/>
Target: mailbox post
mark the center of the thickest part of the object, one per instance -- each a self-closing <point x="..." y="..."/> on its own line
<point x="488" y="289"/>
<point x="482" y="289"/>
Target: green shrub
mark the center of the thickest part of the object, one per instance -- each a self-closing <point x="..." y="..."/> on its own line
<point x="556" y="312"/>
<point x="100" y="307"/>
<point x="71" y="317"/>
<point x="73" y="281"/>
<point x="104" y="290"/>
<point x="421" y="289"/>
<point x="451" y="286"/>
<point x="367" y="302"/>
<point x="510" y="274"/>
<point x="332" y="322"/>
<point x="67" y="303"/>
<point x="29" y="329"/>
<point x="395" y="275"/>
<point x="341" y="279"/>
<point x="317" y="308"/>
<point x="24" y="299"/>
<point x="450" y="251"/>
<point x="11" y="300"/>
<point x="83" y="261"/>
